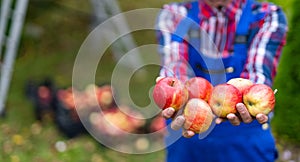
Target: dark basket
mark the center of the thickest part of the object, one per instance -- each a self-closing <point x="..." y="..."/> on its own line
<point x="67" y="121"/>
<point x="43" y="107"/>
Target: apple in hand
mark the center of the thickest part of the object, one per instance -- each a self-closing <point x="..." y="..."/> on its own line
<point x="198" y="115"/>
<point x="259" y="98"/>
<point x="170" y="92"/>
<point x="199" y="87"/>
<point x="240" y="83"/>
<point x="224" y="99"/>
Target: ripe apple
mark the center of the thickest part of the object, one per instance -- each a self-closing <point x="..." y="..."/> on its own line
<point x="259" y="98"/>
<point x="198" y="115"/>
<point x="44" y="93"/>
<point x="199" y="87"/>
<point x="66" y="97"/>
<point x="158" y="123"/>
<point x="170" y="92"/>
<point x="224" y="99"/>
<point x="240" y="83"/>
<point x="105" y="96"/>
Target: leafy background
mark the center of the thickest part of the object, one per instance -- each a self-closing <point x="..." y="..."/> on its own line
<point x="53" y="33"/>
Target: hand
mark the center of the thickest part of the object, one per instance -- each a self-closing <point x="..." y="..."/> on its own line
<point x="178" y="121"/>
<point x="178" y="118"/>
<point x="243" y="116"/>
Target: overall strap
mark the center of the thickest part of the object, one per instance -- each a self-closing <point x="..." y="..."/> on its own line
<point x="217" y="70"/>
<point x="192" y="19"/>
<point x="242" y="31"/>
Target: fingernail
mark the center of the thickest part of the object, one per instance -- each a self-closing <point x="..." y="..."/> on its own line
<point x="239" y="108"/>
<point x="230" y="116"/>
<point x="218" y="121"/>
<point x="180" y="119"/>
<point x="170" y="111"/>
<point x="239" y="104"/>
<point x="158" y="79"/>
<point x="259" y="117"/>
<point x="187" y="134"/>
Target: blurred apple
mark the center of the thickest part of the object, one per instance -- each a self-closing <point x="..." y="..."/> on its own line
<point x="224" y="99"/>
<point x="170" y="92"/>
<point x="44" y="93"/>
<point x="105" y="96"/>
<point x="240" y="83"/>
<point x="135" y="118"/>
<point x="66" y="97"/>
<point x="199" y="87"/>
<point x="198" y="115"/>
<point x="259" y="98"/>
<point x="157" y="124"/>
<point x="117" y="121"/>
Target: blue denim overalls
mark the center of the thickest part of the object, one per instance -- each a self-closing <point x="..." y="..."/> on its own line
<point x="224" y="142"/>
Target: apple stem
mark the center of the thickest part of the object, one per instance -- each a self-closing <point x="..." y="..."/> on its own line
<point x="275" y="91"/>
<point x="172" y="83"/>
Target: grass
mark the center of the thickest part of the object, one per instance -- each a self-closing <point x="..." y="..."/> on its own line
<point x="53" y="33"/>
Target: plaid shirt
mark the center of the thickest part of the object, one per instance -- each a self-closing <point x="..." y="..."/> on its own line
<point x="220" y="25"/>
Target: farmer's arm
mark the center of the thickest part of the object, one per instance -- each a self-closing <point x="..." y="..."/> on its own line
<point x="266" y="46"/>
<point x="263" y="55"/>
<point x="173" y="53"/>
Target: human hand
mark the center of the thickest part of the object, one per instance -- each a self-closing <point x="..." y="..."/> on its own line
<point x="178" y="118"/>
<point x="243" y="115"/>
<point x="178" y="121"/>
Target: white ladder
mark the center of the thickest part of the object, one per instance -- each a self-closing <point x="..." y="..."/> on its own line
<point x="11" y="22"/>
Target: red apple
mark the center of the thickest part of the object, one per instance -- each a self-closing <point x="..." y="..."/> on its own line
<point x="259" y="98"/>
<point x="158" y="123"/>
<point x="224" y="99"/>
<point x="240" y="83"/>
<point x="44" y="92"/>
<point x="198" y="115"/>
<point x="105" y="96"/>
<point x="170" y="92"/>
<point x="66" y="97"/>
<point x="199" y="87"/>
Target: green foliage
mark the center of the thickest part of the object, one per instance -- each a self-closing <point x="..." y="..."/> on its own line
<point x="286" y="121"/>
<point x="285" y="5"/>
<point x="53" y="33"/>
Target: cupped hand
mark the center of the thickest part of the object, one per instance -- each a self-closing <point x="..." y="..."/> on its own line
<point x="243" y="115"/>
<point x="178" y="121"/>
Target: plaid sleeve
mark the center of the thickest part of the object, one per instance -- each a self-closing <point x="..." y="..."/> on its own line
<point x="173" y="53"/>
<point x="266" y="46"/>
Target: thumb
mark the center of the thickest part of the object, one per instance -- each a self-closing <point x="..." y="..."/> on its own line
<point x="158" y="79"/>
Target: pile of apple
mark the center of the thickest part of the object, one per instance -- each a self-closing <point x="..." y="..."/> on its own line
<point x="112" y="120"/>
<point x="201" y="101"/>
<point x="92" y="96"/>
<point x="117" y="121"/>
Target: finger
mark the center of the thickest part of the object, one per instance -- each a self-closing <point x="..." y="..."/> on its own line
<point x="220" y="120"/>
<point x="178" y="122"/>
<point x="168" y="112"/>
<point x="188" y="133"/>
<point x="158" y="79"/>
<point x="233" y="119"/>
<point x="262" y="118"/>
<point x="245" y="115"/>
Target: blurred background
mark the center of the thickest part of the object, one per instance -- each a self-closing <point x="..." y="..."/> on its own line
<point x="39" y="122"/>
